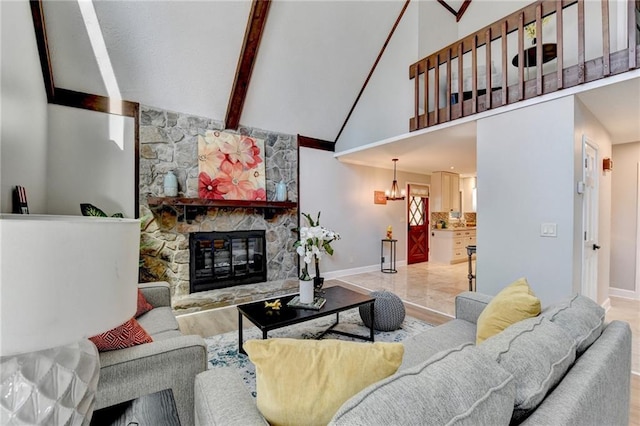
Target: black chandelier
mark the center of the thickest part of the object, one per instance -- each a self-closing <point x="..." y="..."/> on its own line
<point x="395" y="193"/>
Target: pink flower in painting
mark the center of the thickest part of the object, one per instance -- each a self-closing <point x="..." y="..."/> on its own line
<point x="234" y="182"/>
<point x="242" y="150"/>
<point x="257" y="177"/>
<point x="209" y="155"/>
<point x="209" y="188"/>
<point x="259" y="194"/>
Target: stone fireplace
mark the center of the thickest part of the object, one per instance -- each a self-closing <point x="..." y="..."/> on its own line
<point x="226" y="259"/>
<point x="168" y="141"/>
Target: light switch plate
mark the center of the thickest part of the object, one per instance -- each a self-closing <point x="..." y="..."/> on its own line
<point x="549" y="230"/>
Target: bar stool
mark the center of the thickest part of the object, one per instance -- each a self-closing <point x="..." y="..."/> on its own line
<point x="470" y="252"/>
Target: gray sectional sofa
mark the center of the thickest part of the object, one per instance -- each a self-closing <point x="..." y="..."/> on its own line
<point x="171" y="361"/>
<point x="563" y="367"/>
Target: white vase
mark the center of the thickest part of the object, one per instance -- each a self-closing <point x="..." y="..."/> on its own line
<point x="306" y="291"/>
<point x="170" y="184"/>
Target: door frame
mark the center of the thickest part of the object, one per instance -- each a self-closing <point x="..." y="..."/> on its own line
<point x="637" y="283"/>
<point x="585" y="290"/>
<point x="406" y="212"/>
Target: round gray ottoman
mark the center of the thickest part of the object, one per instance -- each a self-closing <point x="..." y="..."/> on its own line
<point x="388" y="311"/>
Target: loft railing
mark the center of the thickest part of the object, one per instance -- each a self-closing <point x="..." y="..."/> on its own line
<point x="576" y="41"/>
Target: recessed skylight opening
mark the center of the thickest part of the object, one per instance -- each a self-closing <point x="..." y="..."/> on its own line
<point x="116" y="122"/>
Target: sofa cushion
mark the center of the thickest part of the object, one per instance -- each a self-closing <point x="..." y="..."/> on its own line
<point x="581" y="317"/>
<point x="460" y="386"/>
<point x="158" y="320"/>
<point x="424" y="345"/>
<point x="124" y="336"/>
<point x="306" y="381"/>
<point x="143" y="305"/>
<point x="512" y="304"/>
<point x="165" y="335"/>
<point x="538" y="353"/>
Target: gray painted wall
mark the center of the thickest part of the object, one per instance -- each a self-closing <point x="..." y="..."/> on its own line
<point x="86" y="163"/>
<point x="526" y="178"/>
<point x="23" y="139"/>
<point x="344" y="195"/>
<point x="624" y="203"/>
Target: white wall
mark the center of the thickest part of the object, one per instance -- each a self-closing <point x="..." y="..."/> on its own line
<point x="433" y="16"/>
<point x="387" y="103"/>
<point x="344" y="195"/>
<point x="586" y="124"/>
<point x="86" y="166"/>
<point x="23" y="138"/>
<point x="526" y="178"/>
<point x="624" y="203"/>
<point x="481" y="13"/>
<point x="466" y="187"/>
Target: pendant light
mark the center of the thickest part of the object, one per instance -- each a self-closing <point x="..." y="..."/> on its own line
<point x="395" y="193"/>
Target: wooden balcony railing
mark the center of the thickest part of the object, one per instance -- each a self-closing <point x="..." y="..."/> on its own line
<point x="576" y="41"/>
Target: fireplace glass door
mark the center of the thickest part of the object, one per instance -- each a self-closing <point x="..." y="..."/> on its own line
<point x="224" y="259"/>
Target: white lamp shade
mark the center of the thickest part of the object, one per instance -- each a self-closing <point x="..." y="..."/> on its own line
<point x="64" y="278"/>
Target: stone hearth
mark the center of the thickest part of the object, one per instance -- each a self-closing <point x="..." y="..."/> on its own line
<point x="203" y="300"/>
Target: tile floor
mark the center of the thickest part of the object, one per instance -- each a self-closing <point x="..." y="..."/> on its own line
<point x="435" y="286"/>
<point x="428" y="284"/>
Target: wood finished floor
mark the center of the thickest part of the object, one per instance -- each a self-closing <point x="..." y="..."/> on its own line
<point x="429" y="290"/>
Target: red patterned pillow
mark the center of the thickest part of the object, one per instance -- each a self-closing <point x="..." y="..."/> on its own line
<point x="124" y="336"/>
<point x="143" y="305"/>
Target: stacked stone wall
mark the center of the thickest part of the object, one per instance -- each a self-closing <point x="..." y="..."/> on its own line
<point x="169" y="142"/>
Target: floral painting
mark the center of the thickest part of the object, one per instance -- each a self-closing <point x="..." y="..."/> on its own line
<point x="231" y="167"/>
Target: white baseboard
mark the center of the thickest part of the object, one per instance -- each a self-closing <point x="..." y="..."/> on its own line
<point x="360" y="270"/>
<point x="607" y="305"/>
<point x="344" y="272"/>
<point x="626" y="294"/>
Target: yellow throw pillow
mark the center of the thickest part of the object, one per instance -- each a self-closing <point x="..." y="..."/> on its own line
<point x="514" y="303"/>
<point x="304" y="382"/>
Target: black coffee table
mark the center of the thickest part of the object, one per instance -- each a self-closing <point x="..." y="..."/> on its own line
<point x="339" y="299"/>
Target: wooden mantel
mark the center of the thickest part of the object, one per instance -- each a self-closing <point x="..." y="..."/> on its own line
<point x="191" y="205"/>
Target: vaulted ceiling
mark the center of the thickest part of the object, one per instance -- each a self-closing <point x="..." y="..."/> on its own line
<point x="312" y="62"/>
<point x="183" y="55"/>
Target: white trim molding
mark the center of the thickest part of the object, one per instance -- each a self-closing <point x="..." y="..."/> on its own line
<point x="625" y="294"/>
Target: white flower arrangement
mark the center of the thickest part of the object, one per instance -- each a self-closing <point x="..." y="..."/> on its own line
<point x="315" y="240"/>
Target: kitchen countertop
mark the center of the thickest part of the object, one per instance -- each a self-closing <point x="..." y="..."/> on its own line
<point x="459" y="228"/>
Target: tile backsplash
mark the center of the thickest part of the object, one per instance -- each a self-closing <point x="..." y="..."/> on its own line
<point x="439" y="217"/>
<point x="443" y="217"/>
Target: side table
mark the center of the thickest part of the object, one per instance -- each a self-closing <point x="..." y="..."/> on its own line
<point x="392" y="256"/>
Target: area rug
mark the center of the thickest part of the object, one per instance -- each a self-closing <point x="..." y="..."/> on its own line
<point x="223" y="348"/>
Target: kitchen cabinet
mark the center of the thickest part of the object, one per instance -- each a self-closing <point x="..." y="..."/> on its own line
<point x="468" y="190"/>
<point x="450" y="245"/>
<point x="445" y="192"/>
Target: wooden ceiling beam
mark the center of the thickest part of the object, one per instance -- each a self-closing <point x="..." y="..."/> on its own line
<point x="373" y="68"/>
<point x="308" y="142"/>
<point x="37" y="13"/>
<point x="460" y="12"/>
<point x="248" y="54"/>
<point x="449" y="8"/>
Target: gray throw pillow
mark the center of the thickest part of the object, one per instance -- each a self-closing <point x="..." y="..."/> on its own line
<point x="538" y="353"/>
<point x="460" y="386"/>
<point x="581" y="317"/>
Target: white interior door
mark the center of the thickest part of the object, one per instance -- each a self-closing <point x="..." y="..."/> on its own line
<point x="637" y="287"/>
<point x="590" y="219"/>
